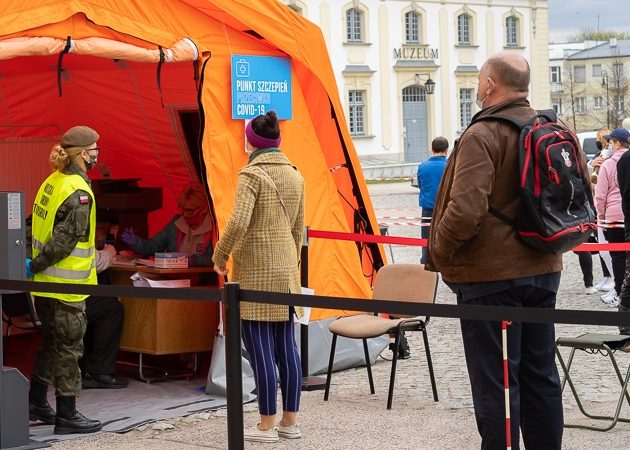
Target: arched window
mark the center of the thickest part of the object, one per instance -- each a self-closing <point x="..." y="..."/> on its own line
<point x="414" y="93"/>
<point x="354" y="25"/>
<point x="412" y="27"/>
<point x="464" y="29"/>
<point x="296" y="8"/>
<point x="511" y="31"/>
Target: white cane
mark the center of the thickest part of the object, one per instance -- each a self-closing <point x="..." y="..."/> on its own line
<point x="506" y="385"/>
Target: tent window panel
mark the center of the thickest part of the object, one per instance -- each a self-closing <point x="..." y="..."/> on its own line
<point x="356" y="100"/>
<point x="354" y="25"/>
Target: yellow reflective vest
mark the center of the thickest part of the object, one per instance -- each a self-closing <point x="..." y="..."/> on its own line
<point x="79" y="267"/>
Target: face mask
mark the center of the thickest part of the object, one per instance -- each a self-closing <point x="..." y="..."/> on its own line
<point x="90" y="163"/>
<point x="195" y="220"/>
<point x="477" y="100"/>
<point x="248" y="149"/>
<point x="607" y="153"/>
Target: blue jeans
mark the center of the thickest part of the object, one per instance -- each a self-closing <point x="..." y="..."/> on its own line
<point x="535" y="395"/>
<point x="424" y="232"/>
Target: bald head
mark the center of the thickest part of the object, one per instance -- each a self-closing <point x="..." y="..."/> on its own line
<point x="503" y="77"/>
<point x="510" y="71"/>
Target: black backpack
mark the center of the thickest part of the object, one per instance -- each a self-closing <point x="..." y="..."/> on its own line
<point x="556" y="212"/>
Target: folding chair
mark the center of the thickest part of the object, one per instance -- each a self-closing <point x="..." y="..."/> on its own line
<point x="400" y="282"/>
<point x="603" y="344"/>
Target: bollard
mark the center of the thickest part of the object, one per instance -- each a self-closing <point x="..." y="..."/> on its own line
<point x="233" y="366"/>
<point x="308" y="383"/>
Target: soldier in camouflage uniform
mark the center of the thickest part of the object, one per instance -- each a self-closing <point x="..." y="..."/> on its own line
<point x="63" y="230"/>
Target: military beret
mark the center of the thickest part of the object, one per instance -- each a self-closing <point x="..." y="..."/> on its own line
<point x="79" y="136"/>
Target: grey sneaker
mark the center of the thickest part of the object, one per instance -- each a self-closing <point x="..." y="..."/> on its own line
<point x="257" y="435"/>
<point x="292" y="432"/>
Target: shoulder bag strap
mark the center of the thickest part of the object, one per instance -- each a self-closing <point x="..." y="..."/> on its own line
<point x="265" y="175"/>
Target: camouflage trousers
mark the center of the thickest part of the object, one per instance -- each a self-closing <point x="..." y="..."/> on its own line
<point x="61" y="345"/>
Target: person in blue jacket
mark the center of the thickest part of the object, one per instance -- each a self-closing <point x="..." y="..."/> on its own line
<point x="429" y="177"/>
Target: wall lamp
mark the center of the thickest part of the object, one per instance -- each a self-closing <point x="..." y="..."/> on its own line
<point x="429" y="85"/>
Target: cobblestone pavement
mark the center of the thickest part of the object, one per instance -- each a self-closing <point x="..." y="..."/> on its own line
<point x="355" y="419"/>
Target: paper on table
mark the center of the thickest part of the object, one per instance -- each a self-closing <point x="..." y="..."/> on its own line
<point x="141" y="279"/>
<point x="304" y="320"/>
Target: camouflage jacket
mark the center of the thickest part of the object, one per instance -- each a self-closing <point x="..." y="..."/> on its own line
<point x="72" y="224"/>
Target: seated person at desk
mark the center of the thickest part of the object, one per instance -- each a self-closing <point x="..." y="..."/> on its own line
<point x="189" y="232"/>
<point x="102" y="336"/>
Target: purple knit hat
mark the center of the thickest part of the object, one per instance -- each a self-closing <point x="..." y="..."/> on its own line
<point x="259" y="141"/>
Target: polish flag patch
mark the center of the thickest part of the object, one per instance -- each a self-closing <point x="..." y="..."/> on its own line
<point x="83" y="199"/>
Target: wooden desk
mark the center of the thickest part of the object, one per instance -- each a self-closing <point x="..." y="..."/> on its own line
<point x="160" y="326"/>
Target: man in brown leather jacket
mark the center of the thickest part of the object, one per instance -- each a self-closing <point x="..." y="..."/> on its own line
<point x="485" y="263"/>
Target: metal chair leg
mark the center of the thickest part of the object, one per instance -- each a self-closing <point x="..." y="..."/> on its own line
<point x="331" y="361"/>
<point x="430" y="364"/>
<point x="368" y="365"/>
<point x="392" y="377"/>
<point x="623" y="381"/>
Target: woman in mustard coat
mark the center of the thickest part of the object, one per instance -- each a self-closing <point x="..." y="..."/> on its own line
<point x="264" y="236"/>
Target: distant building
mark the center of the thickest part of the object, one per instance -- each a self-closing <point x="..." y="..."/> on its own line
<point x="385" y="52"/>
<point x="589" y="83"/>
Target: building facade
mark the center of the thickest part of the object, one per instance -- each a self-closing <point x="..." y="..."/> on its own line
<point x="407" y="70"/>
<point x="589" y="83"/>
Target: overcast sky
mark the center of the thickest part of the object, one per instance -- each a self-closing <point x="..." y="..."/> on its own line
<point x="568" y="17"/>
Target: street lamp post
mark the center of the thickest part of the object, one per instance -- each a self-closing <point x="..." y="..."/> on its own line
<point x="605" y="83"/>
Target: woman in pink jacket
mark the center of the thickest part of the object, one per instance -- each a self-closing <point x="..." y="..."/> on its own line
<point x="608" y="204"/>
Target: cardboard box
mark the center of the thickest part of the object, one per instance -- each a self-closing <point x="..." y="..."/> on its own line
<point x="171" y="260"/>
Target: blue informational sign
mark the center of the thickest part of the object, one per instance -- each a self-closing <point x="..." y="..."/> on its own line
<point x="261" y="84"/>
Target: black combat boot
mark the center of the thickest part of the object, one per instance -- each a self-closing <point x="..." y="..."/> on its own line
<point x="71" y="421"/>
<point x="38" y="406"/>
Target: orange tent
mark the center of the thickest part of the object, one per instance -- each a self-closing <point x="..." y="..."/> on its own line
<point x="97" y="62"/>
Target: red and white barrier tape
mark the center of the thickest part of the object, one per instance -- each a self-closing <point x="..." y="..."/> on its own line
<point x="418" y="242"/>
<point x="405" y="224"/>
<point x="418" y="222"/>
<point x="610" y="224"/>
<point x="403" y="218"/>
<point x="390" y="179"/>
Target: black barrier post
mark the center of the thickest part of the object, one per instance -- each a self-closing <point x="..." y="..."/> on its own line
<point x="233" y="369"/>
<point x="308" y="383"/>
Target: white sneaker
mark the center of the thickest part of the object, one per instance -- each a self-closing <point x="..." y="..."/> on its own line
<point x="600" y="286"/>
<point x="608" y="296"/>
<point x="615" y="302"/>
<point x="256" y="435"/>
<point x="610" y="284"/>
<point x="292" y="432"/>
<point x="590" y="290"/>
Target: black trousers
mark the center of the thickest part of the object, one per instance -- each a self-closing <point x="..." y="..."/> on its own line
<point x="618" y="258"/>
<point x="586" y="264"/>
<point x="535" y="395"/>
<point x="102" y="338"/>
